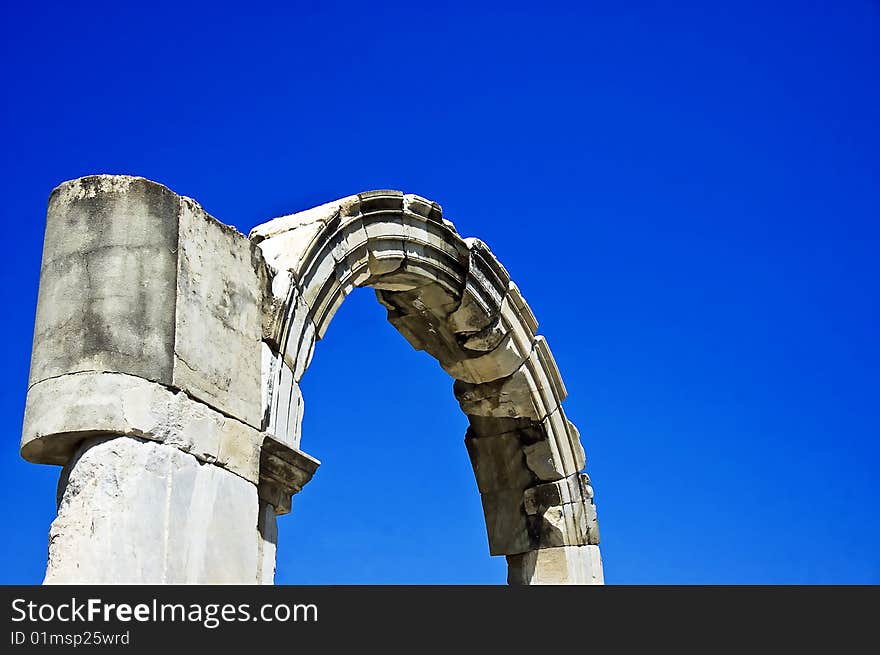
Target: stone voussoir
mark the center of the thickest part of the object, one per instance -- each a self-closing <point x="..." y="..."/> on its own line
<point x="498" y="462"/>
<point x="532" y="392"/>
<point x="562" y="513"/>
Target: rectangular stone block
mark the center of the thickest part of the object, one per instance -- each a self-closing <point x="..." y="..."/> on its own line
<point x="140" y="281"/>
<point x="498" y="463"/>
<point x="574" y="488"/>
<point x="63" y="411"/>
<point x="572" y="524"/>
<point x="562" y="513"/>
<point x="560" y="453"/>
<point x="218" y="327"/>
<point x="108" y="280"/>
<point x="556" y="566"/>
<point x="506" y="523"/>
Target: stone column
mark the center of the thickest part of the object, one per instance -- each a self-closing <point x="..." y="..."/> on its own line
<point x="145" y="385"/>
<point x="137" y="511"/>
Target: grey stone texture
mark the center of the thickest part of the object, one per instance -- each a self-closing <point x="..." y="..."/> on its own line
<point x="218" y="322"/>
<point x="74" y="407"/>
<point x="580" y="565"/>
<point x="135" y="512"/>
<point x="107" y="282"/>
<point x="136" y="279"/>
<point x="159" y="323"/>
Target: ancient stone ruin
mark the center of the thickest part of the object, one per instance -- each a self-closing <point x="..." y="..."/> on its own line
<point x="167" y="356"/>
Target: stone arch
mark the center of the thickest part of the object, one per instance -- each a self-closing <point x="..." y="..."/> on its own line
<point x="167" y="355"/>
<point x="450" y="297"/>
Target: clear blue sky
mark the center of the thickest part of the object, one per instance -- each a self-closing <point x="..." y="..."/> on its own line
<point x="687" y="196"/>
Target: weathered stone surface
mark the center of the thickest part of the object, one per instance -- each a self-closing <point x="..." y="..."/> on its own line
<point x="559" y="453"/>
<point x="509" y="397"/>
<point x="138" y="280"/>
<point x="284" y="471"/>
<point x="555" y="566"/>
<point x="532" y="392"/>
<point x="485" y="288"/>
<point x="506" y="358"/>
<point x="107" y="282"/>
<point x="298" y="340"/>
<point x="506" y="523"/>
<point x="485" y="340"/>
<point x="282" y="399"/>
<point x="499" y="463"/>
<point x="571" y="524"/>
<point x="573" y="489"/>
<point x="73" y="408"/>
<point x="562" y="513"/>
<point x="509" y="328"/>
<point x="214" y="370"/>
<point x="267" y="526"/>
<point x="134" y="512"/>
<point x="61" y="412"/>
<point x="218" y="326"/>
<point x="286" y="242"/>
<point x="551" y="447"/>
<point x="282" y="394"/>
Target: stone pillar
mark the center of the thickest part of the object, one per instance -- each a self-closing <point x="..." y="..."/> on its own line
<point x="134" y="511"/>
<point x="145" y="385"/>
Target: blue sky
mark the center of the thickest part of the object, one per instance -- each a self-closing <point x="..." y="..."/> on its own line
<point x="687" y="196"/>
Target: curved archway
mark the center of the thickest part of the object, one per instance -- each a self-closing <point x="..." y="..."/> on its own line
<point x="168" y="350"/>
<point x="450" y="297"/>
